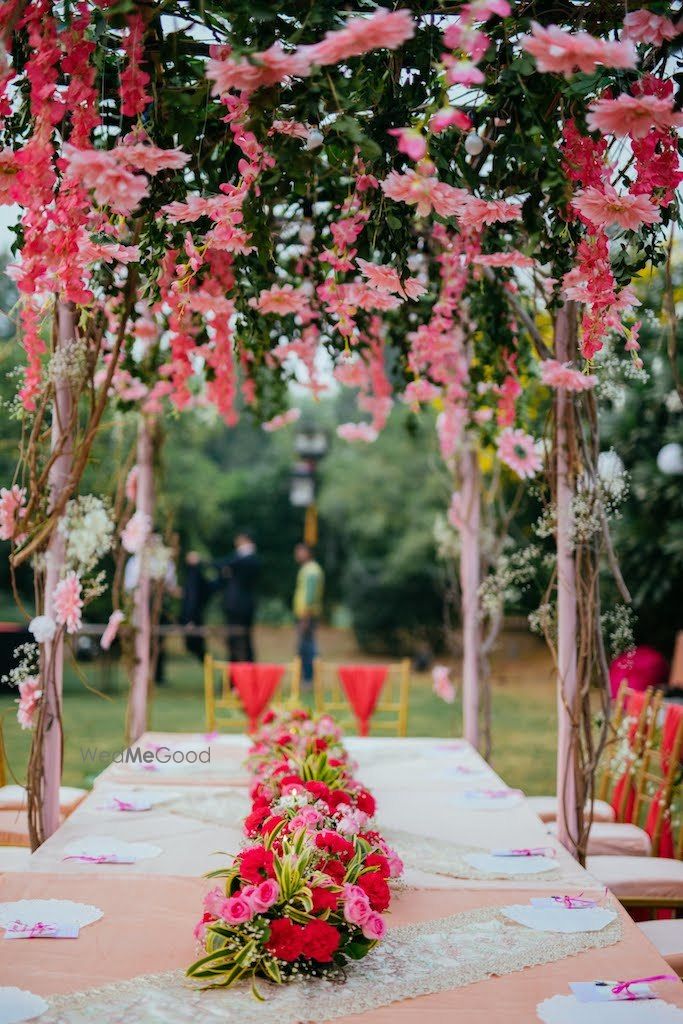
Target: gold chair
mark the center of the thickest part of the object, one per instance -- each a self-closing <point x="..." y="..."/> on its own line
<point x="224" y="709"/>
<point x="391" y="711"/>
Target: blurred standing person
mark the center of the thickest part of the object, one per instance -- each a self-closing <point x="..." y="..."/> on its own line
<point x="239" y="577"/>
<point x="196" y="593"/>
<point x="308" y="606"/>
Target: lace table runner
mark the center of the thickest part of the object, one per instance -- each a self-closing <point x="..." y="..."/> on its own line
<point x="413" y="960"/>
<point x="439" y="857"/>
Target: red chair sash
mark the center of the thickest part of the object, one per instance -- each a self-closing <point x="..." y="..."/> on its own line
<point x="362" y="685"/>
<point x="672" y="723"/>
<point x="255" y="685"/>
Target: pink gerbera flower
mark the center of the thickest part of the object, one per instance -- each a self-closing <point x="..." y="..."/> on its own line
<point x="518" y="451"/>
<point x="151" y="159"/>
<point x="563" y="53"/>
<point x="563" y="375"/>
<point x="475" y="213"/>
<point x="633" y="115"/>
<point x="647" y="27"/>
<point x="606" y="207"/>
<point x="12" y="501"/>
<point x="381" y="275"/>
<point x="68" y="602"/>
<point x="424" y="191"/>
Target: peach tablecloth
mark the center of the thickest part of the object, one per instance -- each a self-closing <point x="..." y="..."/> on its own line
<point x="147" y="927"/>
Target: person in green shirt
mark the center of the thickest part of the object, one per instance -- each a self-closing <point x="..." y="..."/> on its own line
<point x="308" y="606"/>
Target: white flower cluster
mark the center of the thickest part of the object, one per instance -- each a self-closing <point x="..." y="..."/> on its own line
<point x="617" y="626"/>
<point x="88" y="528"/>
<point x="68" y="364"/>
<point x="543" y="621"/>
<point x="511" y="574"/>
<point x="158" y="557"/>
<point x="26" y="656"/>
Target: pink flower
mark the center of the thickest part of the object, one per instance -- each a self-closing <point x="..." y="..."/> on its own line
<point x="8" y="172"/>
<point x="357" y="432"/>
<point x="425" y="192"/>
<point x="633" y="115"/>
<point x="563" y="375"/>
<point x="421" y="391"/>
<point x="517" y="450"/>
<point x="111" y="181"/>
<point x="461" y="72"/>
<point x="264" y="896"/>
<point x="356" y="905"/>
<point x="12" y="501"/>
<point x="112" y="628"/>
<point x="482" y="10"/>
<point x="384" y="30"/>
<point x="29" y="701"/>
<point x="604" y="208"/>
<point x="475" y="213"/>
<point x="381" y="275"/>
<point x="146" y="157"/>
<point x="132" y="483"/>
<point x="504" y="259"/>
<point x="442" y="685"/>
<point x="280" y="299"/>
<point x="374" y="926"/>
<point x="646" y="27"/>
<point x="67" y="602"/>
<point x="213" y="901"/>
<point x="283" y="419"/>
<point x="136" y="531"/>
<point x="449" y="117"/>
<point x="563" y="53"/>
<point x="307" y="817"/>
<point x="236" y="909"/>
<point x="393" y="859"/>
<point x="411" y="142"/>
<point x="262" y="69"/>
<point x="294" y="129"/>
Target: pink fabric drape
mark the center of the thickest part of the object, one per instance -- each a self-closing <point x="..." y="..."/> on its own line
<point x="255" y="685"/>
<point x="672" y="723"/>
<point x="362" y="686"/>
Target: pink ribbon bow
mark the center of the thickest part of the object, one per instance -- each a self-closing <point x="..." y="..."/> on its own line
<point x="624" y="986"/>
<point x="533" y="851"/>
<point x="123" y="805"/>
<point x="574" y="902"/>
<point x="497" y="794"/>
<point x="101" y="858"/>
<point x="33" y="931"/>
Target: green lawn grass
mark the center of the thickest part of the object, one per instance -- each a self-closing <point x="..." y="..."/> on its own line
<point x="523" y="718"/>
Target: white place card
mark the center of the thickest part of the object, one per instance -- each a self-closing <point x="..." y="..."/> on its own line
<point x="569" y="1010"/>
<point x="41" y="930"/>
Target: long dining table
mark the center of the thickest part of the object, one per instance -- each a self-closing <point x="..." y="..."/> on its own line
<point x="125" y="966"/>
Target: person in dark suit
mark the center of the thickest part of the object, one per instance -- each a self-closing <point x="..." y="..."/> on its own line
<point x="238" y="579"/>
<point x="196" y="593"/>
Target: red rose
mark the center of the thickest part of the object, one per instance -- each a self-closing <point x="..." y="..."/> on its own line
<point x="291" y="780"/>
<point x="256" y="864"/>
<point x="335" y="869"/>
<point x="268" y="717"/>
<point x="323" y="899"/>
<point x="377" y="890"/>
<point x="380" y="862"/>
<point x="366" y="802"/>
<point x="338" y="796"/>
<point x="286" y="939"/>
<point x="319" y="745"/>
<point x="321" y="940"/>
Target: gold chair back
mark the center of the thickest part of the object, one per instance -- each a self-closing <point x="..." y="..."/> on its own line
<point x="223" y="708"/>
<point x="391" y="712"/>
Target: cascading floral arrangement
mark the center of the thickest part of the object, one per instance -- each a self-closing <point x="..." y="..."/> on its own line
<point x="308" y="892"/>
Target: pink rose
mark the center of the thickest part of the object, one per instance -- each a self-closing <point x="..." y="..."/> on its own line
<point x="263" y="896"/>
<point x="213" y="902"/>
<point x="236" y="910"/>
<point x="307" y="817"/>
<point x="374" y="927"/>
<point x="356" y="905"/>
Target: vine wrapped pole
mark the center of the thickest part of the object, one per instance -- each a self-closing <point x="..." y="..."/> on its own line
<point x="569" y="787"/>
<point x="469" y="589"/>
<point x="142" y="596"/>
<point x="52" y="659"/>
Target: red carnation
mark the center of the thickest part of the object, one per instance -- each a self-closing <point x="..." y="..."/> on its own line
<point x="270" y="823"/>
<point x="286" y="940"/>
<point x="323" y="899"/>
<point x="380" y="862"/>
<point x="256" y="864"/>
<point x="319" y="745"/>
<point x="332" y="842"/>
<point x="339" y="796"/>
<point x="318" y="789"/>
<point x="253" y="821"/>
<point x="377" y="890"/>
<point x="366" y="802"/>
<point x="335" y="869"/>
<point x="321" y="940"/>
<point x="291" y="780"/>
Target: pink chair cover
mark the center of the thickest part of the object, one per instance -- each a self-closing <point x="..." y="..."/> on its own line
<point x="255" y="685"/>
<point x="362" y="686"/>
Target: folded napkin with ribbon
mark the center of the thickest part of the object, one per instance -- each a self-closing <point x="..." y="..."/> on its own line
<point x="108" y="850"/>
<point x="556" y="916"/>
<point x="46" y="919"/>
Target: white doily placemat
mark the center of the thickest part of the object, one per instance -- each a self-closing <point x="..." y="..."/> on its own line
<point x="560" y="919"/>
<point x="16" y="1004"/>
<point x="568" y="1010"/>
